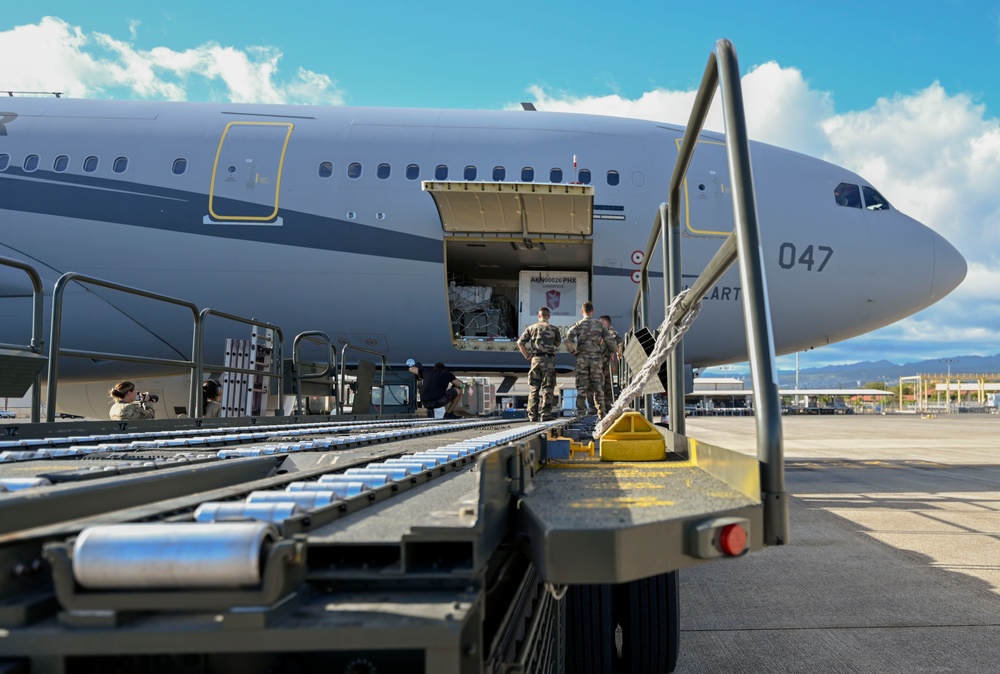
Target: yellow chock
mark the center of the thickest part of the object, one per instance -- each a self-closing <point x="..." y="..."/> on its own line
<point x="575" y="447"/>
<point x="633" y="438"/>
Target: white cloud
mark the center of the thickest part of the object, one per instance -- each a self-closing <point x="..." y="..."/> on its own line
<point x="934" y="155"/>
<point x="55" y="56"/>
<point x="781" y="109"/>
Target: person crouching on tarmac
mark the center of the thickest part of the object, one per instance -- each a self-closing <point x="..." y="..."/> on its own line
<point x="538" y="345"/>
<point x="435" y="391"/>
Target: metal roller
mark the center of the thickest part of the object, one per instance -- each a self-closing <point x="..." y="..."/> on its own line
<point x="307" y="500"/>
<point x="462" y="449"/>
<point x="449" y="455"/>
<point x="392" y="472"/>
<point x="19" y="483"/>
<point x="413" y="466"/>
<point x="172" y="555"/>
<point x="263" y="512"/>
<point x="371" y="480"/>
<point x="343" y="488"/>
<point x="425" y="461"/>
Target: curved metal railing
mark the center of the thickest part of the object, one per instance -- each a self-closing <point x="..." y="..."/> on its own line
<point x="743" y="244"/>
<point x="55" y="337"/>
<point x="331" y="365"/>
<point x="36" y="344"/>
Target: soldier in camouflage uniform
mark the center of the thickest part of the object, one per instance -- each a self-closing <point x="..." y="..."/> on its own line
<point x="538" y="344"/>
<point x="585" y="340"/>
<point x="612" y="352"/>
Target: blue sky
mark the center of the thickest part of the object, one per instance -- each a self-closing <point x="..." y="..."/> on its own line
<point x="905" y="93"/>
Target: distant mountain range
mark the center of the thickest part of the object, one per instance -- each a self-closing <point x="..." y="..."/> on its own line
<point x="858" y="374"/>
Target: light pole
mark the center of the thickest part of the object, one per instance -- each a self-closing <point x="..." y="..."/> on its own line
<point x="947" y="384"/>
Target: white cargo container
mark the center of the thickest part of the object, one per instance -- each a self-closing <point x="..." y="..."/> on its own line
<point x="561" y="291"/>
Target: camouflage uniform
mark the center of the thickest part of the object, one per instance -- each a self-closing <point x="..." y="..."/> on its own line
<point x="541" y="340"/>
<point x="611" y="347"/>
<point x="129" y="411"/>
<point x="589" y="335"/>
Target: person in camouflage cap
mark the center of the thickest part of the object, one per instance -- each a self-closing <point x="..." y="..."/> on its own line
<point x="586" y="340"/>
<point x="538" y="344"/>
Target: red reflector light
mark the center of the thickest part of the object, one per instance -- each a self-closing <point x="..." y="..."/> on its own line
<point x="733" y="540"/>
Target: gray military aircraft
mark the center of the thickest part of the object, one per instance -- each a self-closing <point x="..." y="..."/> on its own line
<point x="425" y="233"/>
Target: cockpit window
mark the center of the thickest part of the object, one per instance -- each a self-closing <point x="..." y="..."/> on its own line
<point x="847" y="195"/>
<point x="873" y="200"/>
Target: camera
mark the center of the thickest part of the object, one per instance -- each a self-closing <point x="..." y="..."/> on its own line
<point x="147" y="397"/>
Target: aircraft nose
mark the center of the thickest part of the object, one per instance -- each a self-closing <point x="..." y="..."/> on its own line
<point x="950" y="268"/>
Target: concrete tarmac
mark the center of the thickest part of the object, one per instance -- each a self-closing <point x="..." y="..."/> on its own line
<point x="894" y="558"/>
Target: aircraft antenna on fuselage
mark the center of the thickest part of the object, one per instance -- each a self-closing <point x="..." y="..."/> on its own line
<point x="530" y="107"/>
<point x="57" y="94"/>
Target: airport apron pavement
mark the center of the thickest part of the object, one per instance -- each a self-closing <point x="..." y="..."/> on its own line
<point x="894" y="558"/>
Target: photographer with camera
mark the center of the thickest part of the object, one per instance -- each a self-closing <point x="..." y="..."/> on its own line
<point x="129" y="404"/>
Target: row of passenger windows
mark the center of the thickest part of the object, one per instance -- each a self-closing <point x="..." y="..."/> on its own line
<point x="61" y="163"/>
<point x="354" y="170"/>
<point x="469" y="173"/>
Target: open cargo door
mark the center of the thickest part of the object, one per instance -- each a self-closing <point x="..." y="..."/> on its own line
<point x="497" y="234"/>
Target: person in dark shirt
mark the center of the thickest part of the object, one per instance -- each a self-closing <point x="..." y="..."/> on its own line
<point x="439" y="388"/>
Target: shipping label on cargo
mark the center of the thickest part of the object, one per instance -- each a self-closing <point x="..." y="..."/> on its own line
<point x="562" y="292"/>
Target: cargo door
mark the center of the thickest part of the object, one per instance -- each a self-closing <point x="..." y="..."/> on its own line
<point x="246" y="178"/>
<point x="496" y="235"/>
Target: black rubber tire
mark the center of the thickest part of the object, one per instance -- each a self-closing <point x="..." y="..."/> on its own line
<point x="590" y="644"/>
<point x="648" y="611"/>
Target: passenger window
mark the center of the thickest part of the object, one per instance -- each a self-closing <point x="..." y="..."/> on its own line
<point x="847" y="195"/>
<point x="4" y="161"/>
<point x="499" y="173"/>
<point x="527" y="174"/>
<point x="354" y="171"/>
<point x="120" y="165"/>
<point x="179" y="167"/>
<point x="326" y="169"/>
<point x="412" y="172"/>
<point x="90" y="164"/>
<point x="60" y="164"/>
<point x="31" y="163"/>
<point x="383" y="171"/>
<point x="584" y="176"/>
<point x="471" y="172"/>
<point x="440" y="172"/>
<point x="613" y="178"/>
<point x="873" y="200"/>
<point x="555" y="175"/>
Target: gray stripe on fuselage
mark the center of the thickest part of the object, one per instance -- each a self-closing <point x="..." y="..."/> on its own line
<point x="85" y="198"/>
<point x="91" y="198"/>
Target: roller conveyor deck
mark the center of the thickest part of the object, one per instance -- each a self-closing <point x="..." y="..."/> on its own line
<point x="446" y="524"/>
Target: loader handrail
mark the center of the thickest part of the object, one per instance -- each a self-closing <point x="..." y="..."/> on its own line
<point x="743" y="244"/>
